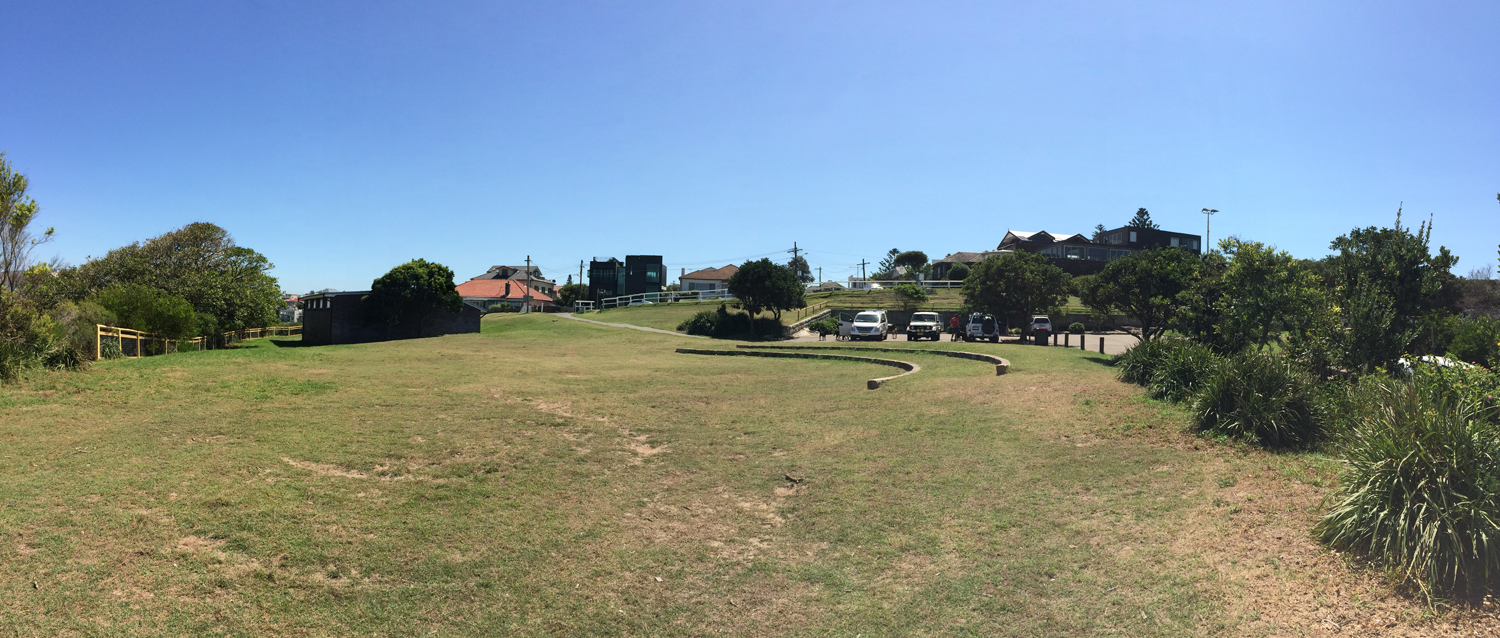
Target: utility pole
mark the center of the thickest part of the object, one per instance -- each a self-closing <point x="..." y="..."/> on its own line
<point x="580" y="271"/>
<point x="862" y="264"/>
<point x="1208" y="217"/>
<point x="527" y="299"/>
<point x="794" y="251"/>
<point x="820" y="275"/>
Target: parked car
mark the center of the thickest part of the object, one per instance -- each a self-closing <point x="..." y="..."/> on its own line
<point x="870" y="324"/>
<point x="924" y="325"/>
<point x="982" y="326"/>
<point x="1041" y="322"/>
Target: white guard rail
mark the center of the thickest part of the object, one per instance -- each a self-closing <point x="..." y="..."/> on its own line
<point x="705" y="295"/>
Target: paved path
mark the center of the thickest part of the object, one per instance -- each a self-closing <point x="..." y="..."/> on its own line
<point x="626" y="325"/>
<point x="1114" y="343"/>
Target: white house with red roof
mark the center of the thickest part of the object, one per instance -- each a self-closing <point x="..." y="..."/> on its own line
<point x="707" y="279"/>
<point x="488" y="293"/>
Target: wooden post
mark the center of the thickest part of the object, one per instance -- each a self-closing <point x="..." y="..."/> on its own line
<point x="98" y="341"/>
<point x="1067" y="338"/>
<point x="1101" y="345"/>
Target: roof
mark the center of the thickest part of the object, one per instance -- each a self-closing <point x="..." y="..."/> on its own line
<point x="498" y="289"/>
<point x="713" y="273"/>
<point x="514" y="272"/>
<point x="961" y="258"/>
<point x="1044" y="236"/>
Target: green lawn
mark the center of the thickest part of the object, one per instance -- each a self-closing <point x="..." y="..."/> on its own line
<point x="549" y="477"/>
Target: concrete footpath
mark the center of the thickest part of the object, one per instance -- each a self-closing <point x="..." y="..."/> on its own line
<point x="1114" y="343"/>
<point x="626" y="325"/>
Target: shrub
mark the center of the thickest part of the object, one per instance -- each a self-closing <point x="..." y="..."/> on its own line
<point x="1476" y="340"/>
<point x="1181" y="370"/>
<point x="1259" y="397"/>
<point x="723" y="323"/>
<point x="149" y="310"/>
<point x="1470" y="383"/>
<point x="25" y="336"/>
<point x="1141" y="360"/>
<point x="1076" y="328"/>
<point x="1015" y="331"/>
<point x="958" y="272"/>
<point x="911" y="295"/>
<point x="77" y="325"/>
<point x="186" y="346"/>
<point x="826" y="325"/>
<point x="109" y="348"/>
<point x="1420" y="491"/>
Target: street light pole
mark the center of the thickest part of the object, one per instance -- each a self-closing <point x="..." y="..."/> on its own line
<point x="1208" y="216"/>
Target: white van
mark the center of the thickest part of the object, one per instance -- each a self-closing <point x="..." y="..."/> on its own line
<point x="870" y="324"/>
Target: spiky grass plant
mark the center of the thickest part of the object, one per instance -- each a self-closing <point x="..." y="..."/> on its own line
<point x="1181" y="370"/>
<point x="1420" y="491"/>
<point x="1141" y="360"/>
<point x="1261" y="397"/>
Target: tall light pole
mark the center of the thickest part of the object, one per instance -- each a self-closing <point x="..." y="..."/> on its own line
<point x="1208" y="217"/>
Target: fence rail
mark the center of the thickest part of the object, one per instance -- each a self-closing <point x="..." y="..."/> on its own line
<point x="675" y="296"/>
<point x="135" y="343"/>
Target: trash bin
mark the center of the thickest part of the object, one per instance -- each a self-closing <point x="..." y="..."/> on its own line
<point x="1042" y="336"/>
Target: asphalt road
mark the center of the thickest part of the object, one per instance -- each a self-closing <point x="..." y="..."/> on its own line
<point x="1114" y="343"/>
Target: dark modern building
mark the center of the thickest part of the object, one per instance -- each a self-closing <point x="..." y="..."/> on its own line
<point x="1079" y="255"/>
<point x="330" y="318"/>
<point x="637" y="274"/>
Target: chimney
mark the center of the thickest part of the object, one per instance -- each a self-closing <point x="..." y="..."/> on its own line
<point x="684" y="273"/>
<point x="507" y="288"/>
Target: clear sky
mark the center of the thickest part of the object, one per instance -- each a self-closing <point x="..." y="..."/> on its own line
<point x="341" y="139"/>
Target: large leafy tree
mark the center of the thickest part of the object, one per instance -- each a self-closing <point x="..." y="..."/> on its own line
<point x="1144" y="286"/>
<point x="1200" y="313"/>
<point x="409" y="293"/>
<point x="1015" y="286"/>
<point x="799" y="265"/>
<point x="570" y="292"/>
<point x="763" y="285"/>
<point x="1266" y="292"/>
<point x="1385" y="280"/>
<point x="228" y="285"/>
<point x="149" y="310"/>
<point x="17" y="211"/>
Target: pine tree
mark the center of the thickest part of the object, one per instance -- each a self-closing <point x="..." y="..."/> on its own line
<point x="1142" y="219"/>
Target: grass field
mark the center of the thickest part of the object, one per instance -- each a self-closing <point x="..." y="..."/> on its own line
<point x="549" y="477"/>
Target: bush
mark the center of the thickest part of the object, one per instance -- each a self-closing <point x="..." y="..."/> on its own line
<point x="826" y="325"/>
<point x="25" y="336"/>
<point x="1420" y="491"/>
<point x="1181" y="370"/>
<point x="1076" y="328"/>
<point x="1015" y="331"/>
<point x="910" y="295"/>
<point x="150" y="310"/>
<point x="723" y="323"/>
<point x="109" y="348"/>
<point x="186" y="346"/>
<point x="1259" y="397"/>
<point x="1469" y="383"/>
<point x="77" y="325"/>
<point x="1476" y="340"/>
<point x="1141" y="360"/>
<point x="958" y="272"/>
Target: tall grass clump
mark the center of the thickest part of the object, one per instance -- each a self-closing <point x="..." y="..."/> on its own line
<point x="1140" y="362"/>
<point x="1181" y="371"/>
<point x="1419" y="491"/>
<point x="1260" y="397"/>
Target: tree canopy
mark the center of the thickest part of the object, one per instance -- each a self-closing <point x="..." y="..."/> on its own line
<point x="763" y="285"/>
<point x="1016" y="285"/>
<point x="911" y="260"/>
<point x="17" y="211"/>
<point x="570" y="292"/>
<point x="198" y="262"/>
<point x="1143" y="286"/>
<point x="150" y="310"/>
<point x="958" y="272"/>
<point x="798" y="264"/>
<point x="1142" y="219"/>
<point x="408" y="293"/>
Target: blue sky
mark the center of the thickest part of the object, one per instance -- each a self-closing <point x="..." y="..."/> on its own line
<point x="340" y="139"/>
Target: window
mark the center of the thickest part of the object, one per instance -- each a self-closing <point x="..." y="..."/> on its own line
<point x="1098" y="254"/>
<point x="1174" y="242"/>
<point x="1132" y="237"/>
<point x="653" y="276"/>
<point x="1075" y="252"/>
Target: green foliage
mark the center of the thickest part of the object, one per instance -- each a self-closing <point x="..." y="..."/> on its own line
<point x="1076" y="328"/>
<point x="109" y="348"/>
<point x="763" y="286"/>
<point x="800" y="267"/>
<point x="17" y="212"/>
<point x="1200" y="313"/>
<point x="1471" y="384"/>
<point x="1015" y="331"/>
<point x="1385" y="280"/>
<point x="1142" y="219"/>
<point x="1015" y="286"/>
<point x="1420" y="491"/>
<point x="1144" y="286"/>
<point x="958" y="272"/>
<point x="25" y="336"/>
<point x="911" y="260"/>
<point x="1476" y="340"/>
<point x="1260" y="397"/>
<point x="149" y="310"/>
<point x="887" y="267"/>
<point x="1180" y="372"/>
<point x="910" y="295"/>
<point x="1267" y="291"/>
<point x="568" y="294"/>
<point x="826" y="325"/>
<point x="1140" y="362"/>
<point x="77" y="325"/>
<point x="186" y="346"/>
<point x="198" y="262"/>
<point x="723" y="323"/>
<point x="408" y="293"/>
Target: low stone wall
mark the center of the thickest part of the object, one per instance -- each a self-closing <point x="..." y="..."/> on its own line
<point x="872" y="384"/>
<point x="1001" y="364"/>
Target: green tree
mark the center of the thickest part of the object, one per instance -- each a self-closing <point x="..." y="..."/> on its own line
<point x="1142" y="219"/>
<point x="149" y="310"/>
<point x="887" y="267"/>
<point x="198" y="262"/>
<point x="798" y="264"/>
<point x="409" y="293"/>
<point x="1385" y="280"/>
<point x="570" y="293"/>
<point x="910" y="295"/>
<point x="958" y="272"/>
<point x="762" y="286"/>
<point x="1099" y="231"/>
<point x="17" y="211"/>
<point x="1144" y="286"/>
<point x="1200" y="314"/>
<point x="1266" y="291"/>
<point x="1016" y="285"/>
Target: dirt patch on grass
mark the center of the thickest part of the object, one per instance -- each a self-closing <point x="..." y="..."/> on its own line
<point x="325" y="469"/>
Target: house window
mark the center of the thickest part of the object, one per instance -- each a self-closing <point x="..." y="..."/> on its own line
<point x="1098" y="254"/>
<point x="1174" y="242"/>
<point x="1075" y="252"/>
<point x="1132" y="237"/>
